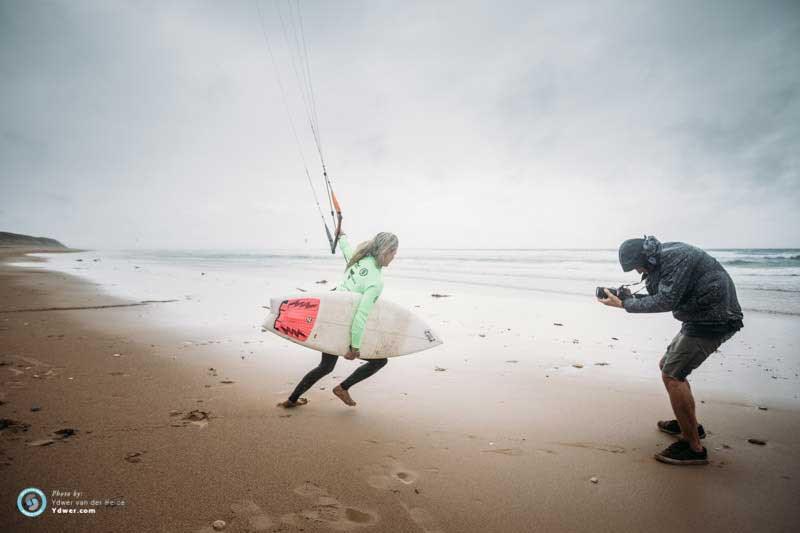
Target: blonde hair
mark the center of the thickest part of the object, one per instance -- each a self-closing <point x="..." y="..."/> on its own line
<point x="380" y="243"/>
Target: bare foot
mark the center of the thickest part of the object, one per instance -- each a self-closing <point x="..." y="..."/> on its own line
<point x="343" y="395"/>
<point x="288" y="404"/>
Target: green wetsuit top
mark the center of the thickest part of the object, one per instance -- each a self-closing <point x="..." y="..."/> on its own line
<point x="365" y="278"/>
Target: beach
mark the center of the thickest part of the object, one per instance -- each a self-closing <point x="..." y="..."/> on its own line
<point x="156" y="398"/>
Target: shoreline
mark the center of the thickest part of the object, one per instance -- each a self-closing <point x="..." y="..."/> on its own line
<point x="421" y="452"/>
<point x="757" y="367"/>
<point x="767" y="293"/>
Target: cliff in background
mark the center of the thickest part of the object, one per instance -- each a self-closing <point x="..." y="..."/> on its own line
<point x="17" y="240"/>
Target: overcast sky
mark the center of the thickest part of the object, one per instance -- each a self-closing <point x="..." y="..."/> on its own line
<point x="453" y="124"/>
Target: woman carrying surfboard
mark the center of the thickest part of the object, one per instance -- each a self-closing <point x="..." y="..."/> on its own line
<point x="362" y="275"/>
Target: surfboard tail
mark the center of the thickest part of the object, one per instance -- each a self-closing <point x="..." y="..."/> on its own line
<point x="295" y="318"/>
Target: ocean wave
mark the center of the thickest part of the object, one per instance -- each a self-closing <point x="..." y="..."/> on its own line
<point x="764" y="261"/>
<point x="758" y="274"/>
<point x="781" y="312"/>
<point x="771" y="289"/>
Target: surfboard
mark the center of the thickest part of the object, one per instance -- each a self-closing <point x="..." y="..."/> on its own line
<point x="321" y="321"/>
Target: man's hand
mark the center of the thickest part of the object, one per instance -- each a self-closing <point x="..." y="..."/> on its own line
<point x="352" y="353"/>
<point x="610" y="300"/>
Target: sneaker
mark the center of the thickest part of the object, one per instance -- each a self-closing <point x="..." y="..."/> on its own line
<point x="673" y="428"/>
<point x="680" y="453"/>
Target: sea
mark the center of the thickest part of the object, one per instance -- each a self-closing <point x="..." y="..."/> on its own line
<point x="767" y="279"/>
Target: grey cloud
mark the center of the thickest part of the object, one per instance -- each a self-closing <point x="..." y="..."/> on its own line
<point x="524" y="116"/>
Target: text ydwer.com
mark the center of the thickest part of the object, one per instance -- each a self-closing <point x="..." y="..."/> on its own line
<point x="61" y="510"/>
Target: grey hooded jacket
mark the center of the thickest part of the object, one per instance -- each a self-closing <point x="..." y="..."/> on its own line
<point x="693" y="285"/>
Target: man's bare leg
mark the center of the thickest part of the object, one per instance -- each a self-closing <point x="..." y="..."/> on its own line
<point x="680" y="396"/>
<point x="694" y="411"/>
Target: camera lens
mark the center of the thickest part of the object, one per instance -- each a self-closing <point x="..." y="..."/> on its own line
<point x="600" y="293"/>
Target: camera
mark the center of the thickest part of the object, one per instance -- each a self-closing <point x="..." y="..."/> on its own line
<point x="623" y="292"/>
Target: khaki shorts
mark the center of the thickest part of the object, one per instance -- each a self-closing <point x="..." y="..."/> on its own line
<point x="685" y="353"/>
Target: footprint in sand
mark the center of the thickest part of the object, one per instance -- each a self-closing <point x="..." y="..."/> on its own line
<point x="404" y="475"/>
<point x="423" y="518"/>
<point x="329" y="511"/>
<point x="309" y="489"/>
<point x="391" y="474"/>
<point x="249" y="513"/>
<point x="379" y="481"/>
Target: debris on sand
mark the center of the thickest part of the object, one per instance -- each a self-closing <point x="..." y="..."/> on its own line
<point x="437" y="295"/>
<point x="13" y="425"/>
<point x="41" y="442"/>
<point x="602" y="363"/>
<point x="482" y="335"/>
<point x="35" y="408"/>
<point x="134" y="457"/>
<point x="66" y="433"/>
<point x="762" y="408"/>
<point x="759" y="442"/>
<point x="512" y="361"/>
<point x="594" y="479"/>
<point x="219" y="525"/>
<point x="322" y="281"/>
<point x="196" y="415"/>
<point x="439" y="369"/>
<point x="557" y="324"/>
<point x="577" y="365"/>
<point x="301" y="290"/>
<point x="227" y="381"/>
<point x="614" y="339"/>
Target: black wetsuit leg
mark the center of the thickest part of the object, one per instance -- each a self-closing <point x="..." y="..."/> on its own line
<point x="325" y="367"/>
<point x="363" y="372"/>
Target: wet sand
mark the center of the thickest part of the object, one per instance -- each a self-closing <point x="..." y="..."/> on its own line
<point x="470" y="448"/>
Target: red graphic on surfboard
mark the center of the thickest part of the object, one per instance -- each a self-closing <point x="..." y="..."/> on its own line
<point x="296" y="317"/>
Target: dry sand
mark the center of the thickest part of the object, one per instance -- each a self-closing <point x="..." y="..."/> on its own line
<point x="455" y="451"/>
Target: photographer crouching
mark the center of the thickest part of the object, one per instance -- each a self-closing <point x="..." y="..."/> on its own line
<point x="700" y="293"/>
